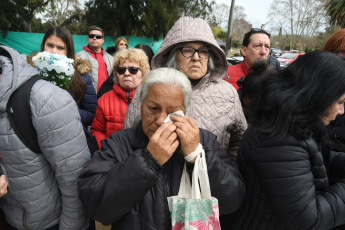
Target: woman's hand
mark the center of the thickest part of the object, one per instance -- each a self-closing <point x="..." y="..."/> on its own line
<point x="188" y="132"/>
<point x="163" y="142"/>
<point x="3" y="185"/>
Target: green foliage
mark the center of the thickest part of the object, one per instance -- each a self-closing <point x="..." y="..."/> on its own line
<point x="18" y="14"/>
<point x="236" y="43"/>
<point x="197" y="8"/>
<point x="217" y="31"/>
<point x="336" y="10"/>
<point x="7" y="16"/>
<point x="148" y="18"/>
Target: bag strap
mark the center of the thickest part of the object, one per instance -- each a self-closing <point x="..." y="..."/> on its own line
<point x="19" y="113"/>
<point x="200" y="186"/>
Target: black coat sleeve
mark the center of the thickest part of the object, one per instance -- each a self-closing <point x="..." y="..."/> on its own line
<point x="226" y="181"/>
<point x="286" y="175"/>
<point x="114" y="182"/>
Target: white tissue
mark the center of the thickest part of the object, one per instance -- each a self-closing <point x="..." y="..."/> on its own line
<point x="178" y="113"/>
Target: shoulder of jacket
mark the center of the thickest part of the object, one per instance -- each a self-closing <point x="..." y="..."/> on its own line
<point x="42" y="91"/>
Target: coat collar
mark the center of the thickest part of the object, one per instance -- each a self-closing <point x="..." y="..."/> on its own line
<point x="122" y="93"/>
<point x="138" y="137"/>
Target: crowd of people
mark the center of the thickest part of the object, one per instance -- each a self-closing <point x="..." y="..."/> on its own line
<point x="273" y="138"/>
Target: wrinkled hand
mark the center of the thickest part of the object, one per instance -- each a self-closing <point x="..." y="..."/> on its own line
<point x="188" y="132"/>
<point x="3" y="185"/>
<point x="163" y="142"/>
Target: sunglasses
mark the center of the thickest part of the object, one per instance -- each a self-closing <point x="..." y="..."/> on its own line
<point x="132" y="70"/>
<point x="123" y="44"/>
<point x="95" y="35"/>
<point x="258" y="30"/>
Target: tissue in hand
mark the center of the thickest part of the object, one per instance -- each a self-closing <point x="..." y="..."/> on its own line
<point x="178" y="113"/>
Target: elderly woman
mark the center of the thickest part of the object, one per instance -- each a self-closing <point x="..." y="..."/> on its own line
<point x="127" y="183"/>
<point x="130" y="67"/>
<point x="191" y="48"/>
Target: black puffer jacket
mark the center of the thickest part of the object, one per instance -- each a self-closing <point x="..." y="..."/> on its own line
<point x="287" y="186"/>
<point x="124" y="185"/>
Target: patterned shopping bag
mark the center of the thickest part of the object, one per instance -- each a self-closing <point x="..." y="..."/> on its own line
<point x="193" y="209"/>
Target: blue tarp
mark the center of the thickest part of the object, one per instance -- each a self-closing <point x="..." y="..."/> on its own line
<point x="28" y="43"/>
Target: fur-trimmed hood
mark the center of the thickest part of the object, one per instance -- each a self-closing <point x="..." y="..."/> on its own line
<point x="81" y="65"/>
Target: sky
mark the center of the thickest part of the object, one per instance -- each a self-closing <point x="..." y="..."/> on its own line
<point x="256" y="10"/>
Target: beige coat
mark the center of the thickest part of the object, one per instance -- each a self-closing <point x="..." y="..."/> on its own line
<point x="215" y="104"/>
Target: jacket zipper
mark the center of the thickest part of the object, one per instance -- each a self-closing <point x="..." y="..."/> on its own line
<point x="167" y="194"/>
<point x="127" y="99"/>
<point x="24" y="221"/>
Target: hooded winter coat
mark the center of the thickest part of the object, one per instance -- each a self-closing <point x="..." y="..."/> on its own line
<point x="215" y="105"/>
<point x="42" y="187"/>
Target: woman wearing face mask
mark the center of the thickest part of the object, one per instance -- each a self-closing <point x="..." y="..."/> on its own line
<point x="130" y="67"/>
<point x="59" y="40"/>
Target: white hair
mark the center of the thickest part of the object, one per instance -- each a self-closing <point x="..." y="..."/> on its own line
<point x="167" y="76"/>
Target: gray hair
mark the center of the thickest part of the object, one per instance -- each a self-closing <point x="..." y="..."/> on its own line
<point x="171" y="61"/>
<point x="167" y="76"/>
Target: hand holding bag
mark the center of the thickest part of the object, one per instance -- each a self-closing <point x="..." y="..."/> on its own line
<point x="193" y="209"/>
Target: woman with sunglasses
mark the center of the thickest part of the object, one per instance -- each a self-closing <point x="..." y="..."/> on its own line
<point x="130" y="67"/>
<point x="59" y="40"/>
<point x="120" y="43"/>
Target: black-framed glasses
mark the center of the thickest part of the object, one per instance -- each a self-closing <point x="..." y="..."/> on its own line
<point x="95" y="35"/>
<point x="131" y="69"/>
<point x="188" y="52"/>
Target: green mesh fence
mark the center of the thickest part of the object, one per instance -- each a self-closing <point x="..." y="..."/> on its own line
<point x="27" y="43"/>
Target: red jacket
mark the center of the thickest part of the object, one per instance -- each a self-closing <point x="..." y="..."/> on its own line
<point x="110" y="112"/>
<point x="235" y="72"/>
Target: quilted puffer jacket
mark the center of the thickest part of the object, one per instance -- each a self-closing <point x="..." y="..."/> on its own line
<point x="111" y="112"/>
<point x="42" y="188"/>
<point x="87" y="106"/>
<point x="287" y="186"/>
<point x="215" y="104"/>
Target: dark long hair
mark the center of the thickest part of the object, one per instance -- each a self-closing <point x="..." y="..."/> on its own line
<point x="293" y="102"/>
<point x="77" y="85"/>
<point x="148" y="51"/>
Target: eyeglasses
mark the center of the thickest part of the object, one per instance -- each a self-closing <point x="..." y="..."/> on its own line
<point x="95" y="35"/>
<point x="131" y="69"/>
<point x="123" y="44"/>
<point x="188" y="52"/>
<point x="258" y="30"/>
<point x="246" y="39"/>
